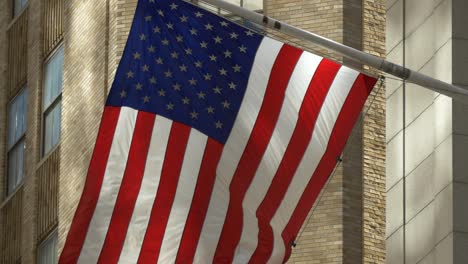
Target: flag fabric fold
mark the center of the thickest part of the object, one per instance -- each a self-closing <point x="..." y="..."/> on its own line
<point x="214" y="143"/>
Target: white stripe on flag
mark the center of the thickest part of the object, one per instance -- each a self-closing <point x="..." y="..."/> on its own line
<point x="248" y="112"/>
<point x="295" y="92"/>
<point x="141" y="214"/>
<point x="331" y="108"/>
<point x="113" y="175"/>
<point x="185" y="189"/>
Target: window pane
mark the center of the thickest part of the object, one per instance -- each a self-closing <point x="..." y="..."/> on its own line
<point x="15" y="166"/>
<point x="53" y="78"/>
<point x="47" y="252"/>
<point x="18" y="6"/>
<point x="52" y="127"/>
<point x="17" y="118"/>
<point x="253" y="4"/>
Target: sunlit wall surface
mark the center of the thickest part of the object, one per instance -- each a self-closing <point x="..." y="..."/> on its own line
<point x="427" y="140"/>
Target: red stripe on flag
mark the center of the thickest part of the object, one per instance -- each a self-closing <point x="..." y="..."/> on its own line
<point x="200" y="202"/>
<point x="129" y="188"/>
<point x="343" y="126"/>
<point x="87" y="205"/>
<point x="253" y="152"/>
<point x="170" y="174"/>
<point x="308" y="113"/>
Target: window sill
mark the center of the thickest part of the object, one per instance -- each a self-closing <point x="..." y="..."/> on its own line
<point x="11" y="195"/>
<point x="47" y="155"/>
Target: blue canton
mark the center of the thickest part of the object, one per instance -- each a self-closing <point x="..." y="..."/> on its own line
<point x="186" y="64"/>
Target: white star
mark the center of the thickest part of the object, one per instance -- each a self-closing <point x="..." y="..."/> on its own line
<point x="136" y="56"/>
<point x="170" y="26"/>
<point x="232" y="85"/>
<point x="170" y="106"/>
<point x="179" y="38"/>
<point x="201" y="95"/>
<point x="188" y="51"/>
<point x="227" y="54"/>
<point x="151" y="49"/>
<point x="193" y="81"/>
<point x="209" y="26"/>
<point x="147" y="18"/>
<point x="249" y="33"/>
<point x="210" y="110"/>
<point x="237" y="68"/>
<point x="175" y="55"/>
<point x="212" y="57"/>
<point x="183" y="19"/>
<point x="243" y="49"/>
<point x="138" y="86"/>
<point x="204" y="45"/>
<point x="222" y="71"/>
<point x="217" y="90"/>
<point x="207" y="76"/>
<point x="198" y="64"/>
<point x="162" y="92"/>
<point x="194" y="115"/>
<point x="156" y="30"/>
<point x="130" y="74"/>
<point x="198" y="14"/>
<point x="165" y="42"/>
<point x="217" y="39"/>
<point x="234" y="35"/>
<point x="123" y="94"/>
<point x="176" y="87"/>
<point x="185" y="100"/>
<point x="159" y="60"/>
<point x="193" y="31"/>
<point x="173" y="6"/>
<point x="145" y="68"/>
<point x="160" y="12"/>
<point x="224" y="23"/>
<point x="146" y="99"/>
<point x="152" y="80"/>
<point x="142" y="37"/>
<point x="183" y="68"/>
<point x="219" y="125"/>
<point x="168" y="74"/>
<point x="226" y="104"/>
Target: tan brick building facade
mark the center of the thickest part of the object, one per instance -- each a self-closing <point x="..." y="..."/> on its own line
<point x="346" y="226"/>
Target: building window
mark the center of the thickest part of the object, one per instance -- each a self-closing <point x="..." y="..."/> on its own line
<point x="254" y="5"/>
<point x="17" y="113"/>
<point x="52" y="100"/>
<point x="47" y="250"/>
<point x="18" y="6"/>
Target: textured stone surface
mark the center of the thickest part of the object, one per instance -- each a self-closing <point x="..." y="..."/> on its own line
<point x="84" y="81"/>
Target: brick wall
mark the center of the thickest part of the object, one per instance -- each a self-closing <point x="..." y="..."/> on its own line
<point x="84" y="81"/>
<point x="34" y="81"/>
<point x="374" y="191"/>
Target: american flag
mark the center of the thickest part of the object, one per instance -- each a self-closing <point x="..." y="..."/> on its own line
<point x="214" y="143"/>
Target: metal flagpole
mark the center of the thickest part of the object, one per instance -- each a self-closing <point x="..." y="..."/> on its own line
<point x="351" y="53"/>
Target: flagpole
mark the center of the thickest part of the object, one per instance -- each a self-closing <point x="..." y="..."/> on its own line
<point x="351" y="53"/>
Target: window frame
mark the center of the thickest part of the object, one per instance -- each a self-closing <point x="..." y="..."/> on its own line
<point x="21" y="92"/>
<point x="46" y="110"/>
<point x="52" y="235"/>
